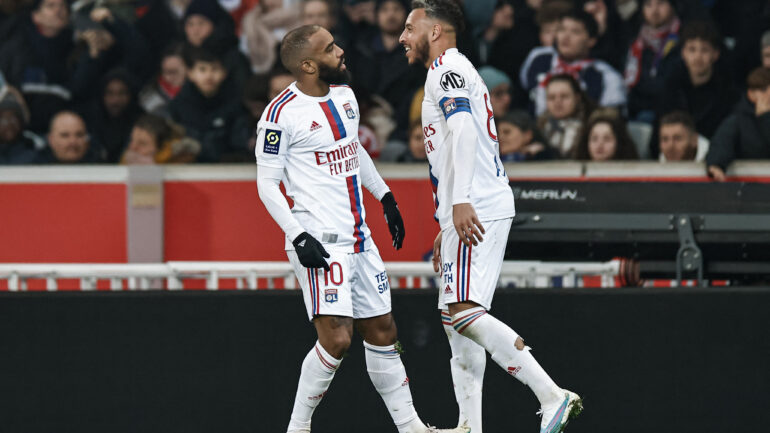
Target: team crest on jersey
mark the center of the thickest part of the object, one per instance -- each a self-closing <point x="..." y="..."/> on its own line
<point x="452" y="80"/>
<point x="272" y="141"/>
<point x="349" y="110"/>
<point x="449" y="105"/>
<point x="330" y="295"/>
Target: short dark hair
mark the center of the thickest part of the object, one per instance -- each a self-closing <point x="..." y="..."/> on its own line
<point x="193" y="55"/>
<point x="588" y="20"/>
<point x="444" y="10"/>
<point x="294" y="43"/>
<point x="758" y="79"/>
<point x="702" y="29"/>
<point x="552" y="11"/>
<point x="678" y="118"/>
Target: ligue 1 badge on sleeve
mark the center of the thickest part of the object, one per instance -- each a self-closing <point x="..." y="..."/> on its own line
<point x="349" y="110"/>
<point x="330" y="295"/>
<point x="272" y="141"/>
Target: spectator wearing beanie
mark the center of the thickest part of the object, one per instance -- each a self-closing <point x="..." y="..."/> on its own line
<point x="208" y="26"/>
<point x="113" y="113"/>
<point x="649" y="56"/>
<point x="746" y="133"/>
<point x="698" y="84"/>
<point x="499" y="86"/>
<point x="576" y="35"/>
<point x="16" y="147"/>
<point x="40" y="60"/>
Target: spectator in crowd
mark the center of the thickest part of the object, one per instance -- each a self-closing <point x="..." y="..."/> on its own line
<point x="678" y="139"/>
<point x="520" y="140"/>
<point x="262" y="30"/>
<point x="698" y="85"/>
<point x="68" y="142"/>
<point x="156" y="140"/>
<point x="320" y="13"/>
<point x="210" y="110"/>
<point x="649" y="56"/>
<point x="207" y="25"/>
<point x="379" y="67"/>
<point x="605" y="138"/>
<point x="575" y="37"/>
<point x="499" y="86"/>
<point x="765" y="54"/>
<point x="506" y="42"/>
<point x="547" y="19"/>
<point x="567" y="110"/>
<point x="416" y="151"/>
<point x="112" y="114"/>
<point x="746" y="133"/>
<point x="41" y="61"/>
<point x="357" y="18"/>
<point x="610" y="41"/>
<point x="156" y="95"/>
<point x="278" y="80"/>
<point x="15" y="146"/>
<point x="125" y="47"/>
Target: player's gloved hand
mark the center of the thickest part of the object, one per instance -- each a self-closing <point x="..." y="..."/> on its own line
<point x="393" y="218"/>
<point x="310" y="252"/>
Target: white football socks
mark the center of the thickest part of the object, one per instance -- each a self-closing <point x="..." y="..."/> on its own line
<point x="499" y="340"/>
<point x="389" y="378"/>
<point x="467" y="364"/>
<point x="318" y="370"/>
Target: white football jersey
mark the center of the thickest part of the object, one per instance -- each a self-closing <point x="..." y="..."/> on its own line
<point x="454" y="86"/>
<point x="315" y="142"/>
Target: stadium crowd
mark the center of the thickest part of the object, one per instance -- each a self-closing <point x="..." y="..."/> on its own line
<point x="168" y="81"/>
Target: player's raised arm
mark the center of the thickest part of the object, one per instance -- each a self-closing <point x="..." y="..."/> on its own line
<point x="372" y="181"/>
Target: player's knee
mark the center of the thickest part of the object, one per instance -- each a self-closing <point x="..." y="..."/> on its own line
<point x="339" y="342"/>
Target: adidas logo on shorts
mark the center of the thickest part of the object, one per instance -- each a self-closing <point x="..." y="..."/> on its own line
<point x="447" y="290"/>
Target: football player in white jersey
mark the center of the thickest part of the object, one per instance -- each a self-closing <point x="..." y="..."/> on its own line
<point x="473" y="202"/>
<point x="307" y="138"/>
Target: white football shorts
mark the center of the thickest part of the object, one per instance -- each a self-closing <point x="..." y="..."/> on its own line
<point x="356" y="285"/>
<point x="471" y="273"/>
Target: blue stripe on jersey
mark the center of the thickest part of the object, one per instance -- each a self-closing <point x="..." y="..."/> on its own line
<point x="450" y="106"/>
<point x="275" y="108"/>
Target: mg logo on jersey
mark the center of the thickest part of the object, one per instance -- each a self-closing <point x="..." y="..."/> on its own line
<point x="330" y="295"/>
<point x="452" y="80"/>
<point x="349" y="110"/>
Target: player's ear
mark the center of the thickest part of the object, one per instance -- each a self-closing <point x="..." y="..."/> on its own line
<point x="308" y="66"/>
<point x="436" y="32"/>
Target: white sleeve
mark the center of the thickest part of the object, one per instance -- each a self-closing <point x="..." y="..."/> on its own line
<point x="370" y="178"/>
<point x="268" y="187"/>
<point x="449" y="87"/>
<point x="463" y="147"/>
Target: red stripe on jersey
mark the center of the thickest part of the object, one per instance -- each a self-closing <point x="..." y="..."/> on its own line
<point x="275" y="101"/>
<point x="468" y="275"/>
<point x="330" y="119"/>
<point x="278" y="114"/>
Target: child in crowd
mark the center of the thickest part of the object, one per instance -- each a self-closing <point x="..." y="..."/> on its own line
<point x="155" y="140"/>
<point x="520" y="139"/>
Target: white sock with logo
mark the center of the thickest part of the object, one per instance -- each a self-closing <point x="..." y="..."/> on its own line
<point x="468" y="363"/>
<point x="318" y="370"/>
<point x="499" y="340"/>
<point x="388" y="375"/>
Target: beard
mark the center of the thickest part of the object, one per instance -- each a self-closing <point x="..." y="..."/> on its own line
<point x="422" y="51"/>
<point x="336" y="75"/>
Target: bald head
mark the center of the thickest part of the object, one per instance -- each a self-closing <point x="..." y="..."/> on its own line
<point x="295" y="47"/>
<point x="68" y="137"/>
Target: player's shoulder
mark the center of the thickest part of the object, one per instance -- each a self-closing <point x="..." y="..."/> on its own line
<point x="450" y="70"/>
<point x="278" y="105"/>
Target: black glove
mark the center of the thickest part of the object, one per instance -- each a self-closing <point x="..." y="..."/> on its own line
<point x="310" y="252"/>
<point x="393" y="218"/>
